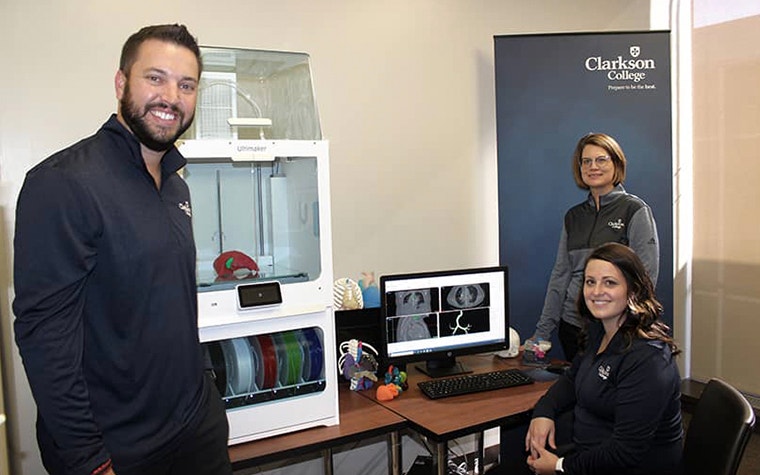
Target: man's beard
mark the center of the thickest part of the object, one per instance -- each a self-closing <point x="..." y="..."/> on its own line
<point x="159" y="140"/>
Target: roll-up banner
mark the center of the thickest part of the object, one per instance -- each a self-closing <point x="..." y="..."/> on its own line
<point x="551" y="89"/>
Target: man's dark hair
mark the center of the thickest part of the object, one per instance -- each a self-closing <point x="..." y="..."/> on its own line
<point x="177" y="34"/>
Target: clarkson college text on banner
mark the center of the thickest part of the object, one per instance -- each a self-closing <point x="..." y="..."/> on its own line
<point x="551" y="90"/>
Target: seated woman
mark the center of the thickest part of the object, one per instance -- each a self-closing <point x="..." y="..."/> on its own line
<point x="623" y="389"/>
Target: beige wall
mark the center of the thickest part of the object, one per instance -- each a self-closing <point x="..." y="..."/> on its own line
<point x="406" y="97"/>
<point x="726" y="304"/>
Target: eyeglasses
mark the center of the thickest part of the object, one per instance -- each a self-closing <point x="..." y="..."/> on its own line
<point x="601" y="161"/>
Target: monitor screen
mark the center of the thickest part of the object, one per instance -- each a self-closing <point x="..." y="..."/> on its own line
<point x="436" y="316"/>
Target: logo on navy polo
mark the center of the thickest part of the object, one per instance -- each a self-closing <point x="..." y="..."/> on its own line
<point x="185" y="206"/>
<point x="604" y="372"/>
<point x="619" y="224"/>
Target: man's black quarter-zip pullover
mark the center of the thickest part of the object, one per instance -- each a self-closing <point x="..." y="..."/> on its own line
<point x="106" y="312"/>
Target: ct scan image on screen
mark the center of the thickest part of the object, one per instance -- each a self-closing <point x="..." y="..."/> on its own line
<point x="466" y="296"/>
<point x="435" y="316"/>
<point x="412" y="327"/>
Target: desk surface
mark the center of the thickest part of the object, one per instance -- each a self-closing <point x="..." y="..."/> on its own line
<point x="360" y="418"/>
<point x="452" y="417"/>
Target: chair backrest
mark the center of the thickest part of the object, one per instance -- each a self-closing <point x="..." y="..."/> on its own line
<point x="718" y="431"/>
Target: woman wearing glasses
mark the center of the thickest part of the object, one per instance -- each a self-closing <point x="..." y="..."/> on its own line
<point x="609" y="214"/>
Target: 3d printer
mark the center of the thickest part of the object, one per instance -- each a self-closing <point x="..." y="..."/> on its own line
<point x="258" y="176"/>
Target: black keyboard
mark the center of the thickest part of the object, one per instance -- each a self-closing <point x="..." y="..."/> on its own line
<point x="473" y="383"/>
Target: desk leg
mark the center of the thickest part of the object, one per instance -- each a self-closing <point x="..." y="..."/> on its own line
<point x="327" y="461"/>
<point x="394" y="453"/>
<point x="441" y="458"/>
<point x="481" y="451"/>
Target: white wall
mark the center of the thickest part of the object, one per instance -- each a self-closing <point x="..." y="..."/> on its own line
<point x="406" y="97"/>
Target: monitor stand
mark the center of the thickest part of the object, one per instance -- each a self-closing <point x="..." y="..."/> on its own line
<point x="442" y="367"/>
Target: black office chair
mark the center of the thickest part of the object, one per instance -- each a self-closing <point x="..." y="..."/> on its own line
<point x="718" y="431"/>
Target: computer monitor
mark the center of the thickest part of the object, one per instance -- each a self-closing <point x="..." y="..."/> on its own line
<point x="436" y="316"/>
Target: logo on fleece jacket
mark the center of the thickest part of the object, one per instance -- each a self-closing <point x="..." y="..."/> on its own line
<point x="619" y="224"/>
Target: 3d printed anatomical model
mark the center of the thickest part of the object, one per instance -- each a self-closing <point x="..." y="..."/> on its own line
<point x="357" y="364"/>
<point x="395" y="384"/>
<point x="234" y="265"/>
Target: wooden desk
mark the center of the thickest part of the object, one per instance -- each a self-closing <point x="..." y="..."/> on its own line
<point x="445" y="419"/>
<point x="360" y="418"/>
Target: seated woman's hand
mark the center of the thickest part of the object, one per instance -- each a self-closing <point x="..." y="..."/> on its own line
<point x="540" y="432"/>
<point x="543" y="463"/>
